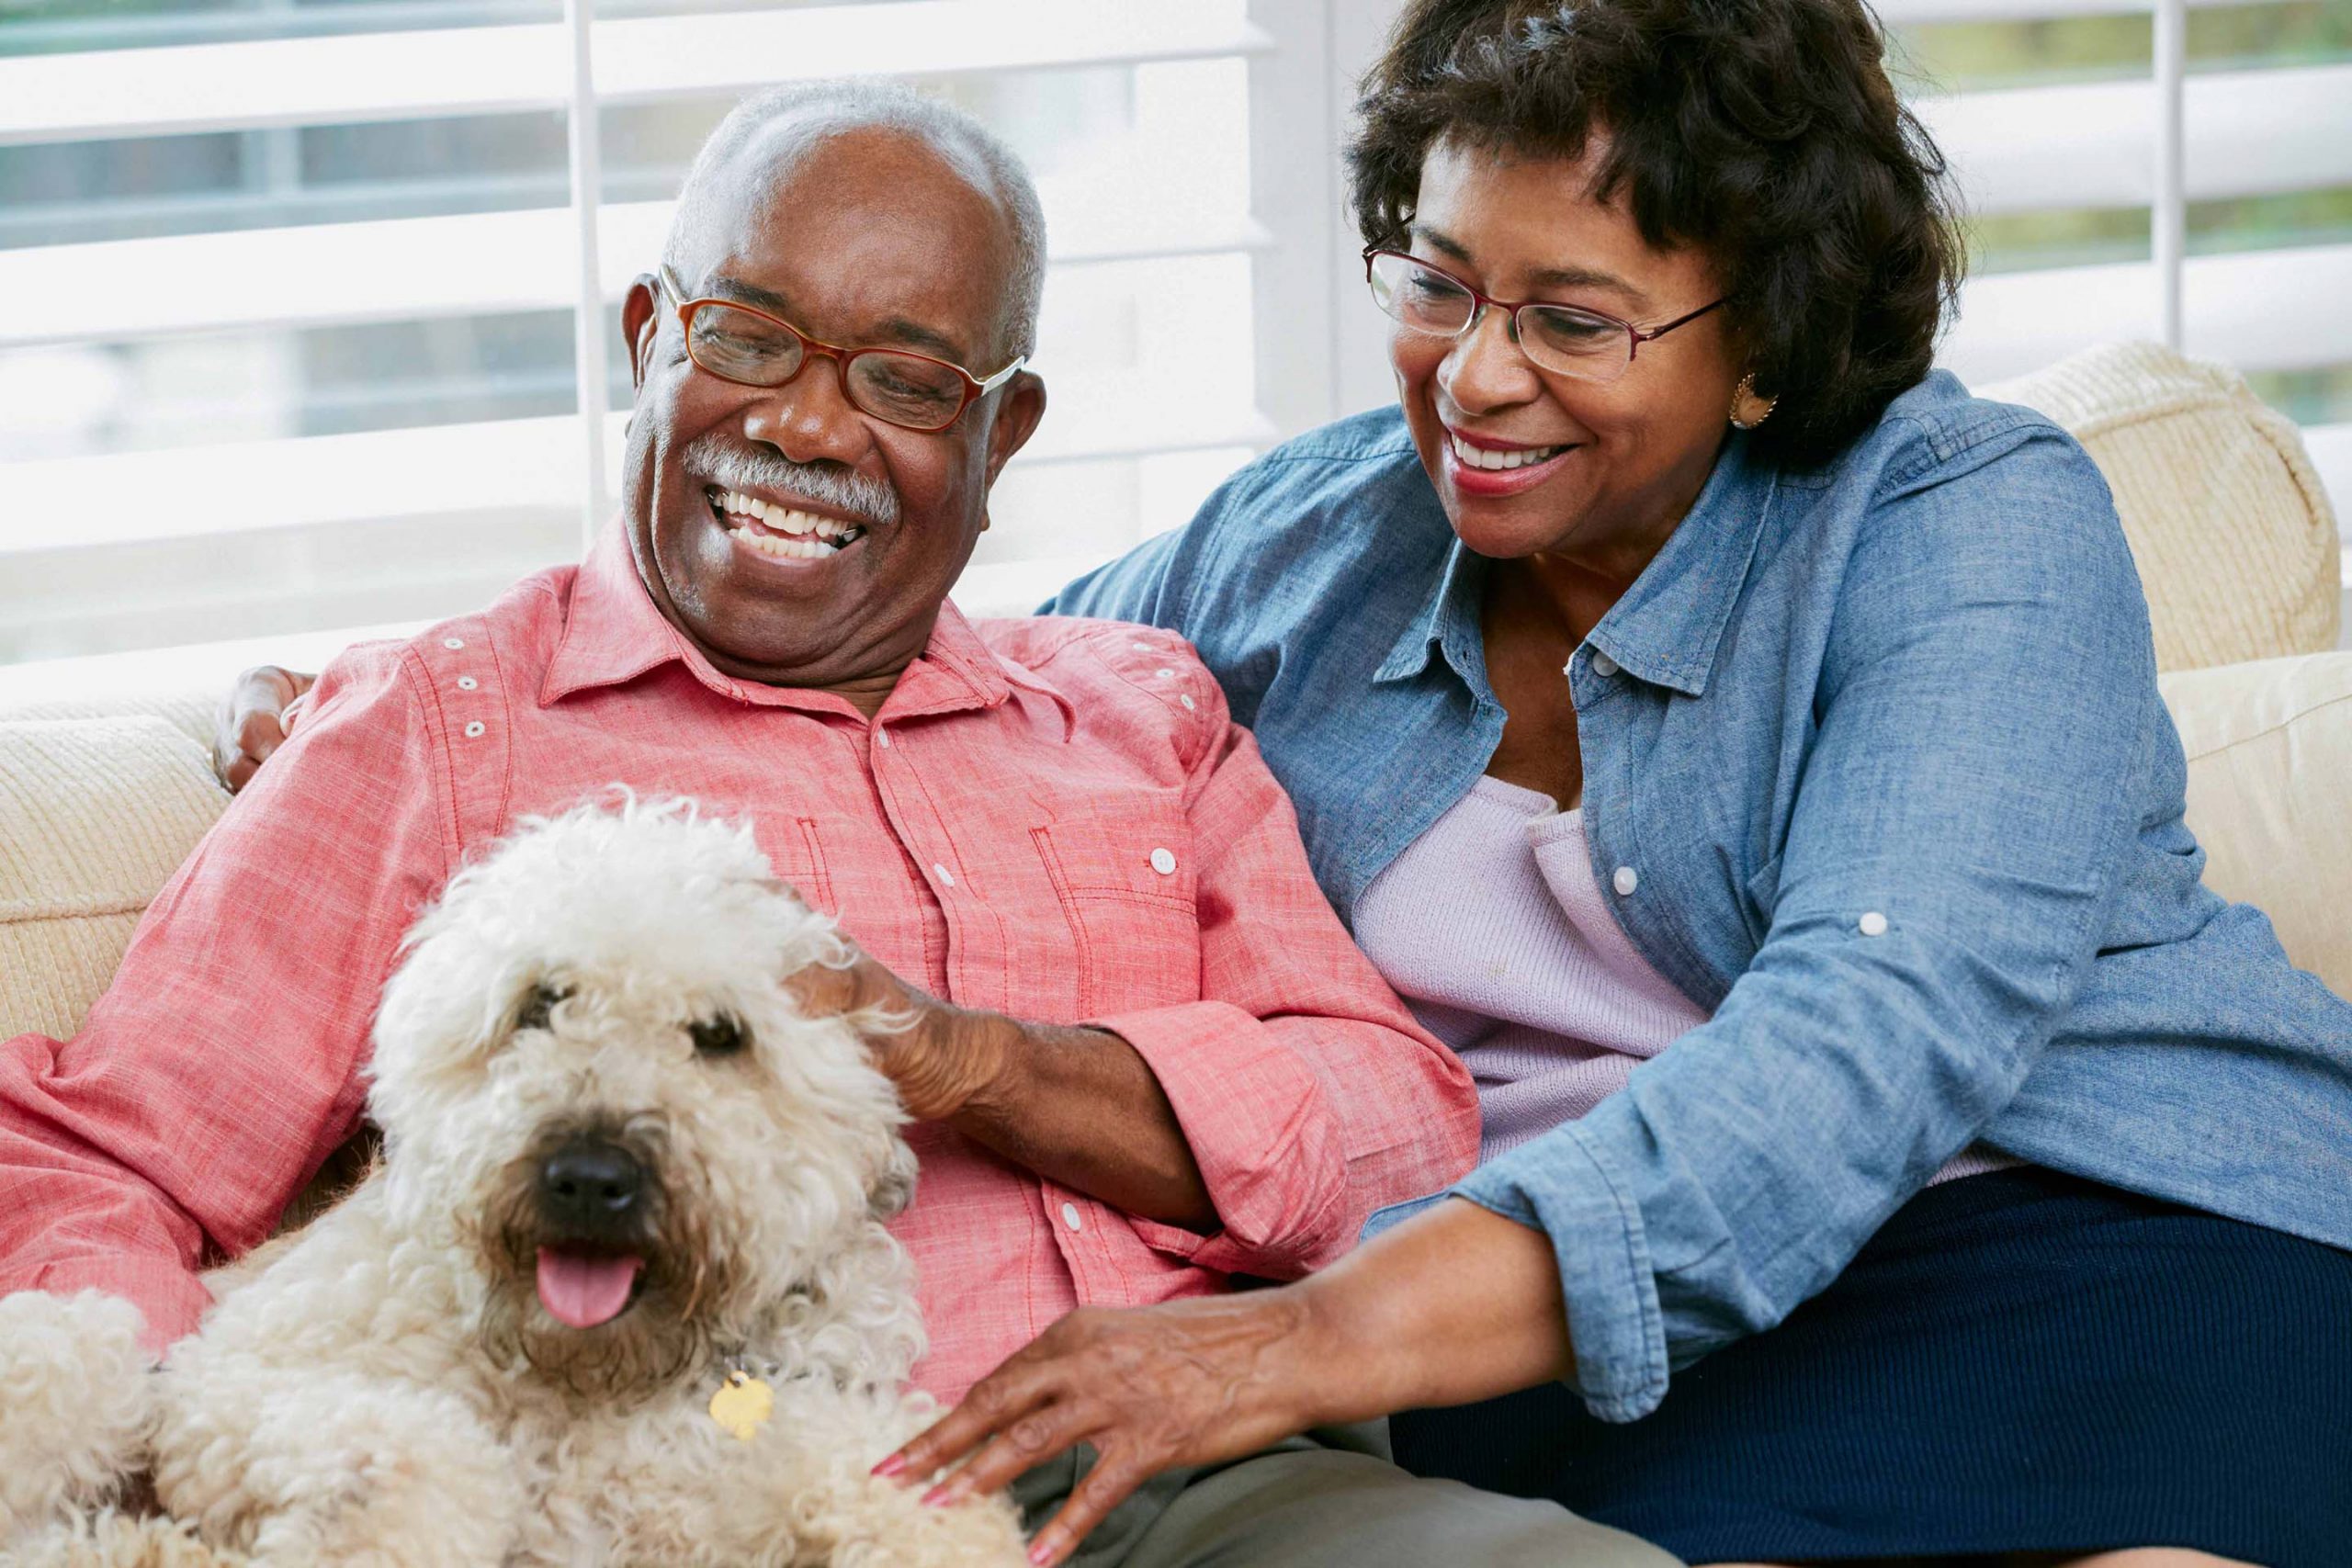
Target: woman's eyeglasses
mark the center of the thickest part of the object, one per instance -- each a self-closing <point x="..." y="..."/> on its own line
<point x="1563" y="339"/>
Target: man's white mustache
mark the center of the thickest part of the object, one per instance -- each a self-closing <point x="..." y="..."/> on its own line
<point x="718" y="461"/>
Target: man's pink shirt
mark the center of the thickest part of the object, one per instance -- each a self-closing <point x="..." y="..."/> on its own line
<point x="1053" y="819"/>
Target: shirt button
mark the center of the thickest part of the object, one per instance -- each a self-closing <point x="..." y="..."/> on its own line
<point x="1187" y="700"/>
<point x="466" y="682"/>
<point x="944" y="875"/>
<point x="1141" y="646"/>
<point x="1163" y="862"/>
<point x="1164" y="675"/>
<point x="473" y="730"/>
<point x="882" y="738"/>
<point x="453" y="643"/>
<point x="1872" y="924"/>
<point x="1603" y="666"/>
<point x="1626" y="881"/>
<point x="1070" y="1217"/>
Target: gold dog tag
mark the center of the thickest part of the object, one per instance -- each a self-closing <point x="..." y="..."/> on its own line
<point x="742" y="1404"/>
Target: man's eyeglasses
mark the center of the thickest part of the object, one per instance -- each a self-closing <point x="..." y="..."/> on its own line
<point x="1562" y="339"/>
<point x="752" y="348"/>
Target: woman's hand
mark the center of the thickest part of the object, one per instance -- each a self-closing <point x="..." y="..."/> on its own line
<point x="255" y="719"/>
<point x="1454" y="1305"/>
<point x="1183" y="1383"/>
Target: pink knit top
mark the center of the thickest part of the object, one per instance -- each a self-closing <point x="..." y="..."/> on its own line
<point x="1493" y="927"/>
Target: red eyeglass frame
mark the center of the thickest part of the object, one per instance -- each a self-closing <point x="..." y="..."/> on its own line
<point x="975" y="387"/>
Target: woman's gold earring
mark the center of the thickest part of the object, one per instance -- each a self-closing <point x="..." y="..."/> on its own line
<point x="1747" y="410"/>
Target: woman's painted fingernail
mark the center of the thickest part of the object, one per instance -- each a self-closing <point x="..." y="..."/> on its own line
<point x="1041" y="1551"/>
<point x="943" y="1493"/>
<point x="891" y="1466"/>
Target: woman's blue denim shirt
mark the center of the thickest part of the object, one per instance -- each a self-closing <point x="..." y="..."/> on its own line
<point x="1880" y="749"/>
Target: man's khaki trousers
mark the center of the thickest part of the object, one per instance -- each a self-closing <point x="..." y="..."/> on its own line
<point x="1329" y="1500"/>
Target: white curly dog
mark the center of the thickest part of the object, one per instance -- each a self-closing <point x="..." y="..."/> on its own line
<point x="619" y="1291"/>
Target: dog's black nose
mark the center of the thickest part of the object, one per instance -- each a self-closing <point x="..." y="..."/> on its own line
<point x="590" y="1185"/>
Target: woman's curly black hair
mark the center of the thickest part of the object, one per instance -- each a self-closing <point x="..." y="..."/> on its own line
<point x="1763" y="132"/>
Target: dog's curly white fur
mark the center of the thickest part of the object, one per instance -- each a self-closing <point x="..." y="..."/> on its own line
<point x="393" y="1386"/>
<point x="74" y="1406"/>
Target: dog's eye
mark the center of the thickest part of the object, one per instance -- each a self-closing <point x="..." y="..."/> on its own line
<point x="721" y="1036"/>
<point x="538" y="1006"/>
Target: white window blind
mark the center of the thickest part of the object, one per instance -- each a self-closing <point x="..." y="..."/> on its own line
<point x="291" y="289"/>
<point x="2182" y="172"/>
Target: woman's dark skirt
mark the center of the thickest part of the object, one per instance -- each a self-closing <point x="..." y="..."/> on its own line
<point x="2018" y="1361"/>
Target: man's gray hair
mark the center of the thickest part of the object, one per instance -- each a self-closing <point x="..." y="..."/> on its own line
<point x="963" y="143"/>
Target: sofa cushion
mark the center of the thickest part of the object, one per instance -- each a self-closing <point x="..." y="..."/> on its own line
<point x="2226" y="517"/>
<point x="189" y="706"/>
<point x="95" y="817"/>
<point x="2269" y="749"/>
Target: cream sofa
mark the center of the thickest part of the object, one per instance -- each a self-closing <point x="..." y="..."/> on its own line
<point x="2232" y="531"/>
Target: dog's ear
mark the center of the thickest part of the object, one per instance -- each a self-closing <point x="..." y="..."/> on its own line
<point x="894" y="1188"/>
<point x="890" y="1197"/>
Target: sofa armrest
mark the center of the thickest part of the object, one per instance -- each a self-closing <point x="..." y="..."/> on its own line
<point x="95" y="814"/>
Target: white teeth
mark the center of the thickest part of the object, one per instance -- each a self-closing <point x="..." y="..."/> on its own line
<point x="785" y="519"/>
<point x="801" y="535"/>
<point x="769" y="544"/>
<point x="1478" y="457"/>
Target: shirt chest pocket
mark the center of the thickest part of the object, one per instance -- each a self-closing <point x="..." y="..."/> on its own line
<point x="1122" y="868"/>
<point x="797" y="858"/>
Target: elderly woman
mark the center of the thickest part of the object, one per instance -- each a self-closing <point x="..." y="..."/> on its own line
<point x="1744" y="748"/>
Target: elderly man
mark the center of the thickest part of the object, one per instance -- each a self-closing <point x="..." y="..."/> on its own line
<point x="1157" y="1062"/>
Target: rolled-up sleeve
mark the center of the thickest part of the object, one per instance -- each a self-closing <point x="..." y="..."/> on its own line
<point x="221" y="1067"/>
<point x="1945" y="877"/>
<point x="1306" y="1091"/>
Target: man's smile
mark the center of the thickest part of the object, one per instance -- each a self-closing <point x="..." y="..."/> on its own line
<point x="783" y="532"/>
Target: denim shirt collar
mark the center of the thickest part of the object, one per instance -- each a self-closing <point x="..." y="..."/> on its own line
<point x="1666" y="627"/>
<point x="1449" y="621"/>
<point x="1664" y="630"/>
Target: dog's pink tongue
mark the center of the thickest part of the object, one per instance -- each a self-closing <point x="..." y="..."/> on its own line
<point x="584" y="1289"/>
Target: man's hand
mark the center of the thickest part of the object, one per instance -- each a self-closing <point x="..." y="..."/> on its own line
<point x="1075" y="1105"/>
<point x="256" y="718"/>
<point x="941" y="1057"/>
<point x="1186" y="1383"/>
